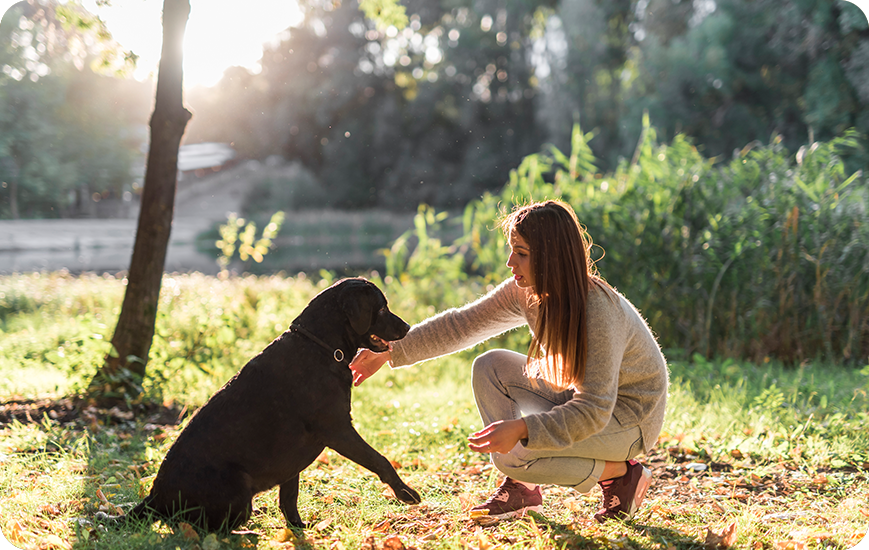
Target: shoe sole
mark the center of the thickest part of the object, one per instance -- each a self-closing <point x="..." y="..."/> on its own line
<point x="521" y="512"/>
<point x="640" y="493"/>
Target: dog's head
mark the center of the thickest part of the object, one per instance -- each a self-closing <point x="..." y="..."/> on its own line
<point x="368" y="314"/>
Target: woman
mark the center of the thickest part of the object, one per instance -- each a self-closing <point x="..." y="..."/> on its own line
<point x="590" y="394"/>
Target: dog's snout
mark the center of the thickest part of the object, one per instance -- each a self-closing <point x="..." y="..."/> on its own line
<point x="400" y="327"/>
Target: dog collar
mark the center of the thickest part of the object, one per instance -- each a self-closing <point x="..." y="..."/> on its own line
<point x="337" y="353"/>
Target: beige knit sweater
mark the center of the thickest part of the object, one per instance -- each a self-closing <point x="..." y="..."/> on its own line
<point x="626" y="373"/>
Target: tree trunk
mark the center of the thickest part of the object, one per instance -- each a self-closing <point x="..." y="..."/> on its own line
<point x="124" y="368"/>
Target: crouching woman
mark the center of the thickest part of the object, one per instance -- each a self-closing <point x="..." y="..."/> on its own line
<point x="587" y="398"/>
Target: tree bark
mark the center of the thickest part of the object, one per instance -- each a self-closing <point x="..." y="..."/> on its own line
<point x="124" y="368"/>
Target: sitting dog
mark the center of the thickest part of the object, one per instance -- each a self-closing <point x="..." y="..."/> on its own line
<point x="278" y="413"/>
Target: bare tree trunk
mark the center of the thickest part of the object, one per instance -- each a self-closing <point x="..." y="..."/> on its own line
<point x="124" y="368"/>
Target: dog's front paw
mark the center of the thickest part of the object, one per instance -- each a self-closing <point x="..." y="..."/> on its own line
<point x="294" y="521"/>
<point x="407" y="495"/>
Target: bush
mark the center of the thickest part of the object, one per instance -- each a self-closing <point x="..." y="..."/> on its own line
<point x="764" y="255"/>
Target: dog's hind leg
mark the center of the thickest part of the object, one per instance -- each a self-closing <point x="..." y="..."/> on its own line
<point x="289" y="497"/>
<point x="350" y="444"/>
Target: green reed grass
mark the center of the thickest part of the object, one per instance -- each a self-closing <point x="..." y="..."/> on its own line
<point x="762" y="256"/>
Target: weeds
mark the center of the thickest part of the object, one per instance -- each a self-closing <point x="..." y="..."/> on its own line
<point x="762" y="256"/>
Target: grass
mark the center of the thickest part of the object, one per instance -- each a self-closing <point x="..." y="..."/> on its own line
<point x="781" y="453"/>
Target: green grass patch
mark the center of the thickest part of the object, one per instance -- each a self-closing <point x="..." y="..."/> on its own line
<point x="781" y="453"/>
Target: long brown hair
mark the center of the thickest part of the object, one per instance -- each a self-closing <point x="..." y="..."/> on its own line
<point x="563" y="272"/>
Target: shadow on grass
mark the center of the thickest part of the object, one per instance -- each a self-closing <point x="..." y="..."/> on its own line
<point x="566" y="536"/>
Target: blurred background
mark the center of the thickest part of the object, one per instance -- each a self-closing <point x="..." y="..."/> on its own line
<point x="348" y="127"/>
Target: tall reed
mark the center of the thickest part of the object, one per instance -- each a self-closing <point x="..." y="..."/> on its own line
<point x="764" y="255"/>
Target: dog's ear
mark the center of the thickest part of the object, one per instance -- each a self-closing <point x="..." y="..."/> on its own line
<point x="359" y="310"/>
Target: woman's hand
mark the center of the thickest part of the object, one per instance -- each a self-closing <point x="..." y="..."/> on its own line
<point x="366" y="363"/>
<point x="499" y="437"/>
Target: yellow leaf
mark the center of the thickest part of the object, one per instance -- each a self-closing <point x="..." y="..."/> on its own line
<point x="15" y="532"/>
<point x="722" y="539"/>
<point x="53" y="541"/>
<point x="285" y="535"/>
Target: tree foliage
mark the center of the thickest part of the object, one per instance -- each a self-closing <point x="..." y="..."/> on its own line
<point x="68" y="135"/>
<point x="439" y="110"/>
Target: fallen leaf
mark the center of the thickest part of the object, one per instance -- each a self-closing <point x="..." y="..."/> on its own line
<point x="53" y="541"/>
<point x="323" y="524"/>
<point x="485" y="543"/>
<point x="285" y="535"/>
<point x="393" y="543"/>
<point x="395" y="464"/>
<point x="185" y="530"/>
<point x="485" y="521"/>
<point x="15" y="532"/>
<point x="789" y="545"/>
<point x="108" y="506"/>
<point x="368" y="544"/>
<point x="382" y="526"/>
<point x="721" y="539"/>
<point x="50" y="510"/>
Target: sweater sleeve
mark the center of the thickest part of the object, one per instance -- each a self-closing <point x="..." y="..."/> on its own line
<point x="593" y="403"/>
<point x="456" y="329"/>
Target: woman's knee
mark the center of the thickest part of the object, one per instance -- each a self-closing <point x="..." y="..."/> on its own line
<point x="511" y="466"/>
<point x="483" y="368"/>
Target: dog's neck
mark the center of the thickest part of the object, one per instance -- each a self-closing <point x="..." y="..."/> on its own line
<point x="332" y="337"/>
<point x="337" y="353"/>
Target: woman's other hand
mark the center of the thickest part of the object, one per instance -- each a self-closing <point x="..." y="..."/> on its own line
<point x="499" y="437"/>
<point x="366" y="363"/>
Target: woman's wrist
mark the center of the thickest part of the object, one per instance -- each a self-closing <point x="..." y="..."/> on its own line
<point x="388" y="354"/>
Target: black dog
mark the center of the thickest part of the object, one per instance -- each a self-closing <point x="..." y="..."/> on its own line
<point x="276" y="415"/>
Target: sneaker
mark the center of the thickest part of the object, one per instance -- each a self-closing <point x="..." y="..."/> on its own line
<point x="623" y="495"/>
<point x="511" y="500"/>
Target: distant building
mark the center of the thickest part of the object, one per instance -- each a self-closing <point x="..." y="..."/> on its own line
<point x="199" y="159"/>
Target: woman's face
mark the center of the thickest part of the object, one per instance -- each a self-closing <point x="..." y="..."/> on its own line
<point x="519" y="261"/>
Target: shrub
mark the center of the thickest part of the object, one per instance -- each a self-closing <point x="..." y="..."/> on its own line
<point x="764" y="255"/>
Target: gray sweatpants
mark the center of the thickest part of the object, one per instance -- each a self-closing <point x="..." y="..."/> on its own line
<point x="504" y="392"/>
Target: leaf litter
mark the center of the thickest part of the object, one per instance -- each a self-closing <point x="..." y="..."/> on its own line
<point x="693" y="502"/>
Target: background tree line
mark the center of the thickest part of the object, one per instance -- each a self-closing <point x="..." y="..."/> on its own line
<point x="71" y="127"/>
<point x="442" y="110"/>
